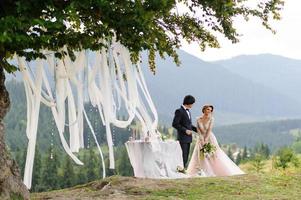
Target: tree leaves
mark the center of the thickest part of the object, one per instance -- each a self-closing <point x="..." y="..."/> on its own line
<point x="8" y="67"/>
<point x="27" y="27"/>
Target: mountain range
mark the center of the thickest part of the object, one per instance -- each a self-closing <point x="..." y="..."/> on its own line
<point x="242" y="89"/>
<point x="276" y="72"/>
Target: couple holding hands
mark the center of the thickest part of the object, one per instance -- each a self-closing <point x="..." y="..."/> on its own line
<point x="207" y="159"/>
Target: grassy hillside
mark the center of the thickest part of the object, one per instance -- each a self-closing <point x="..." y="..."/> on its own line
<point x="270" y="182"/>
<point x="248" y="186"/>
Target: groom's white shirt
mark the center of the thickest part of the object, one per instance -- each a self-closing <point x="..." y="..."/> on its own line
<point x="188" y="113"/>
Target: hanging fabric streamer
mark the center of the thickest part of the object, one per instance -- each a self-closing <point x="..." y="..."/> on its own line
<point x="106" y="78"/>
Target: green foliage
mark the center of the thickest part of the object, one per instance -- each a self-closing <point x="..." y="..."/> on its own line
<point x="230" y="154"/>
<point x="123" y="165"/>
<point x="50" y="171"/>
<point x="284" y="157"/>
<point x="37" y="171"/>
<point x="28" y="27"/>
<point x="274" y="134"/>
<point x="261" y="149"/>
<point x="257" y="163"/>
<point x="80" y="171"/>
<point x="256" y="156"/>
<point x="20" y="157"/>
<point x="238" y="158"/>
<point x="91" y="165"/>
<point x="296" y="146"/>
<point x="244" y="155"/>
<point x="68" y="175"/>
<point x="14" y="196"/>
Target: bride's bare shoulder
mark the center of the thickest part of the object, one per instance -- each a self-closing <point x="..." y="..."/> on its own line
<point x="200" y="119"/>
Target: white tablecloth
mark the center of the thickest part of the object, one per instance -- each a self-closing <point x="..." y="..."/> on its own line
<point x="158" y="159"/>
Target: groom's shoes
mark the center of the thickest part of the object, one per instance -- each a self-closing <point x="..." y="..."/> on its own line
<point x="181" y="170"/>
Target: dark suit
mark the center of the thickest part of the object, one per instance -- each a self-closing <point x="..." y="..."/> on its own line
<point x="182" y="122"/>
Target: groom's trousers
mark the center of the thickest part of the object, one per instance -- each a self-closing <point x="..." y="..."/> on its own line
<point x="185" y="152"/>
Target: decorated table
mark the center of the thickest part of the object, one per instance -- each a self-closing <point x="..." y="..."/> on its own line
<point x="156" y="159"/>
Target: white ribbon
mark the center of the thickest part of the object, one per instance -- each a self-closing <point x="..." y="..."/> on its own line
<point x="110" y="81"/>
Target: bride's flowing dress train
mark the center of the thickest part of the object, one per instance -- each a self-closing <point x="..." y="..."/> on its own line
<point x="218" y="164"/>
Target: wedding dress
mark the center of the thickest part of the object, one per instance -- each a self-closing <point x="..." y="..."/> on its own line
<point x="219" y="164"/>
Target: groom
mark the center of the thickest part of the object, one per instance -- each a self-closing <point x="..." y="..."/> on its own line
<point x="182" y="122"/>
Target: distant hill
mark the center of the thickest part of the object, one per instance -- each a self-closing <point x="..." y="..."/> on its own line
<point x="273" y="133"/>
<point x="276" y="72"/>
<point x="235" y="97"/>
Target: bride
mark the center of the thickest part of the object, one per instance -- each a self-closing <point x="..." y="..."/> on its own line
<point x="219" y="164"/>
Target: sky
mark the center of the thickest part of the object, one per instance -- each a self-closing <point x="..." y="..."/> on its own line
<point x="256" y="39"/>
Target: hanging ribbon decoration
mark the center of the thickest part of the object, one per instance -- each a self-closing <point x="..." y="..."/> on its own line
<point x="110" y="80"/>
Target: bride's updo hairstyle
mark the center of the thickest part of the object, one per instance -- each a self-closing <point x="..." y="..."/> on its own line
<point x="207" y="106"/>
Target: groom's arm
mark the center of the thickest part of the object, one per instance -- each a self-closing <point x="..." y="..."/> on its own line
<point x="194" y="128"/>
<point x="176" y="122"/>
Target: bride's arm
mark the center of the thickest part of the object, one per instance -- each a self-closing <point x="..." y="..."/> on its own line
<point x="200" y="129"/>
<point x="209" y="130"/>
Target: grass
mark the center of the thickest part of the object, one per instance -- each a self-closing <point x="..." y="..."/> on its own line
<point x="265" y="186"/>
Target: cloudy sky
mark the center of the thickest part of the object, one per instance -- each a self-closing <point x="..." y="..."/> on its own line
<point x="256" y="39"/>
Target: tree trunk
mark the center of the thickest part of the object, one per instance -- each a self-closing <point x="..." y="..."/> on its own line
<point x="11" y="185"/>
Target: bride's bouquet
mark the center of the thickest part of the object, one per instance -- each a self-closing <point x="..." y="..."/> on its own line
<point x="207" y="150"/>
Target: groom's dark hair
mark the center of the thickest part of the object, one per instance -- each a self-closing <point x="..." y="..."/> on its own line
<point x="188" y="100"/>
